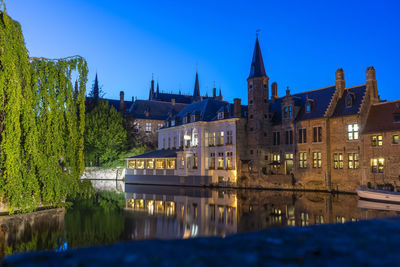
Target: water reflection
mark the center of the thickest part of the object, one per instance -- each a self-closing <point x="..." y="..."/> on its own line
<point x="153" y="212"/>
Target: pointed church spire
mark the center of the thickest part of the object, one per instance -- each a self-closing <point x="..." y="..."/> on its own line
<point x="196" y="92"/>
<point x="151" y="93"/>
<point x="96" y="88"/>
<point x="158" y="88"/>
<point x="257" y="64"/>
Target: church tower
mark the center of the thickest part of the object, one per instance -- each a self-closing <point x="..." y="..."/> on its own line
<point x="258" y="110"/>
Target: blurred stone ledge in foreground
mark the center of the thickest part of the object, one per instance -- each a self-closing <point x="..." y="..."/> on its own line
<point x="372" y="243"/>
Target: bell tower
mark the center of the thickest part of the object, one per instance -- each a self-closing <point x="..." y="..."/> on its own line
<point x="258" y="109"/>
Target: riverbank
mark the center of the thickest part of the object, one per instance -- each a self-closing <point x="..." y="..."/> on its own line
<point x="371" y="243"/>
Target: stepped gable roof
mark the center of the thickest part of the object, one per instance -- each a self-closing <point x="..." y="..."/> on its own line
<point x="207" y="109"/>
<point x="357" y="94"/>
<point x="320" y="100"/>
<point x="381" y="117"/>
<point x="257" y="64"/>
<point x="158" y="110"/>
<point x="167" y="153"/>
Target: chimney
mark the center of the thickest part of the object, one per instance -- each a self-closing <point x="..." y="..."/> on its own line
<point x="214" y="92"/>
<point x="274" y="90"/>
<point x="173" y="101"/>
<point x="340" y="82"/>
<point x="121" y="103"/>
<point x="372" y="87"/>
<point x="237" y="108"/>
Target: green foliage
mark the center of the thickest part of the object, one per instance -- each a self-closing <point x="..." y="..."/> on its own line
<point x="105" y="135"/>
<point x="120" y="161"/>
<point x="42" y="123"/>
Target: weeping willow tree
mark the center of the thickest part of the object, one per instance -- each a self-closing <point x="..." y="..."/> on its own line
<point x="42" y="122"/>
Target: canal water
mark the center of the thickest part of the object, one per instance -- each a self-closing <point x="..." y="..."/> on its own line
<point x="161" y="212"/>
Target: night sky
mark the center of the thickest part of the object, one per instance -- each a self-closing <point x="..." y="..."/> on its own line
<point x="303" y="42"/>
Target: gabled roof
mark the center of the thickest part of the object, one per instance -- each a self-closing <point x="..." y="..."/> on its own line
<point x="207" y="110"/>
<point x="116" y="104"/>
<point x="167" y="97"/>
<point x="158" y="110"/>
<point x="357" y="94"/>
<point x="168" y="153"/>
<point x="257" y="64"/>
<point x="319" y="98"/>
<point x="381" y="117"/>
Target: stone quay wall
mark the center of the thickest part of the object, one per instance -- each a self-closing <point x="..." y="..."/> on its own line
<point x="105" y="179"/>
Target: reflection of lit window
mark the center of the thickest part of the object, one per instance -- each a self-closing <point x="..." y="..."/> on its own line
<point x="150" y="164"/>
<point x="195" y="212"/>
<point x="340" y="219"/>
<point x="377" y="165"/>
<point x="221" y="214"/>
<point x="304" y="219"/>
<point x="139" y="204"/>
<point x="170" y="208"/>
<point x="230" y="215"/>
<point x="212" y="212"/>
<point x="140" y="164"/>
<point x="131" y="164"/>
<point x="182" y="210"/>
<point x="159" y="206"/>
<point x="291" y="218"/>
<point x="150" y="207"/>
<point x="319" y="219"/>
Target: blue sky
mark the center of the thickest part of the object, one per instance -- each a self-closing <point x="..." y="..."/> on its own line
<point x="303" y="42"/>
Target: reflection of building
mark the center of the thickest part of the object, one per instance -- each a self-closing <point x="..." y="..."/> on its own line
<point x="180" y="213"/>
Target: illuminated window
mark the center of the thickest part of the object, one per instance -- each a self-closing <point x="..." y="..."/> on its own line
<point x="140" y="164"/>
<point x="317" y="159"/>
<point x="171" y="164"/>
<point x="395" y="139"/>
<point x="220" y="138"/>
<point x="377" y="165"/>
<point x="211" y="139"/>
<point x="229" y="160"/>
<point x="211" y="163"/>
<point x="303" y="159"/>
<point x="220" y="161"/>
<point x="276" y="161"/>
<point x="160" y="164"/>
<point x="302" y="136"/>
<point x="376" y="140"/>
<point x="131" y="164"/>
<point x="150" y="164"/>
<point x="352" y="132"/>
<point x="195" y="138"/>
<point x="160" y="125"/>
<point x="182" y="161"/>
<point x="136" y="127"/>
<point x="195" y="161"/>
<point x="148" y="127"/>
<point x="338" y="161"/>
<point x="353" y="161"/>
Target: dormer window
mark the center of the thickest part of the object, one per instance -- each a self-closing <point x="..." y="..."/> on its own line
<point x="349" y="101"/>
<point x="287" y="112"/>
<point x="173" y="123"/>
<point x="396" y="117"/>
<point x="308" y="106"/>
<point x="220" y="115"/>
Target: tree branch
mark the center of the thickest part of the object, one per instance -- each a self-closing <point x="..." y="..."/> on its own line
<point x="53" y="59"/>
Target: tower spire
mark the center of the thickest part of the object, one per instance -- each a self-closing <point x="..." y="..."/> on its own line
<point x="196" y="92"/>
<point x="96" y="88"/>
<point x="257" y="64"/>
